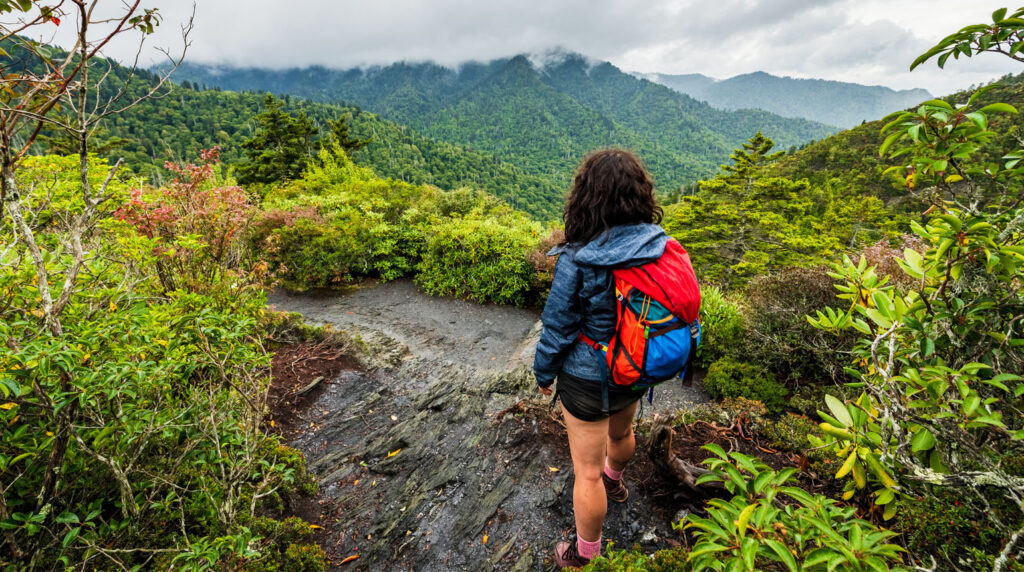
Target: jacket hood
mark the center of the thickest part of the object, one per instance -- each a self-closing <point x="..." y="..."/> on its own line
<point x="626" y="245"/>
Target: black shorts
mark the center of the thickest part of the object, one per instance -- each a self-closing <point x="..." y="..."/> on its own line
<point x="582" y="398"/>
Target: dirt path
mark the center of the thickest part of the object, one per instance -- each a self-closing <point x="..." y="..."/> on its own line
<point x="477" y="335"/>
<point x="438" y="453"/>
<point x="486" y="336"/>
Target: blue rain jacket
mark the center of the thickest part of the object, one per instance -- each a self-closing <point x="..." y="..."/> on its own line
<point x="582" y="299"/>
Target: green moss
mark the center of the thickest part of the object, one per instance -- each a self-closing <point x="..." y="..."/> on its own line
<point x="729" y="378"/>
<point x="305" y="558"/>
<point x="290" y="327"/>
<point x="789" y="433"/>
<point x="284" y="546"/>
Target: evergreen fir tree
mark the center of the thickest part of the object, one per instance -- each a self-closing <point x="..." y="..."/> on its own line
<point x="748" y="164"/>
<point x="281" y="147"/>
<point x="756" y="153"/>
<point x="340" y="133"/>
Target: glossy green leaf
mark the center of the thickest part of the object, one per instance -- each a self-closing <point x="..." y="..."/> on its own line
<point x="838" y="410"/>
<point x="785" y="556"/>
<point x="999" y="108"/>
<point x="923" y="440"/>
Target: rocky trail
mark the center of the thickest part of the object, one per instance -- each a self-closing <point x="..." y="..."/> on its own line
<point x="436" y="452"/>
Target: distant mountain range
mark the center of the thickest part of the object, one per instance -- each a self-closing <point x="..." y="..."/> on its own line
<point x="541" y="114"/>
<point x="831" y="102"/>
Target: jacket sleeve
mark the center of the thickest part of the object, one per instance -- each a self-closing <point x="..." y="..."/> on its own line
<point x="561" y="320"/>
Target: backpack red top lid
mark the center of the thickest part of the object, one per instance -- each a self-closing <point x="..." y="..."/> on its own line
<point x="670" y="280"/>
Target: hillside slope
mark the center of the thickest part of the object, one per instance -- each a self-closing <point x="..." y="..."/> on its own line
<point x="849" y="161"/>
<point x="832" y="102"/>
<point x="541" y="116"/>
<point x="175" y="126"/>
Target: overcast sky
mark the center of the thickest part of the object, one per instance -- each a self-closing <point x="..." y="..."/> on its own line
<point x="864" y="41"/>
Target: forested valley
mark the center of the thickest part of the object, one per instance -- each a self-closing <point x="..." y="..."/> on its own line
<point x="862" y="353"/>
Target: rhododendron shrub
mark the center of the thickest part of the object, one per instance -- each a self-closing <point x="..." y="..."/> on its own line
<point x="131" y="409"/>
<point x="195" y="221"/>
<point x="162" y="393"/>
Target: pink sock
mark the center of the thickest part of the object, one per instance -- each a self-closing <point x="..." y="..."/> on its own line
<point x="612" y="474"/>
<point x="588" y="550"/>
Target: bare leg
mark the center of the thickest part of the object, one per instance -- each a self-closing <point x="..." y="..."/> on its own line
<point x="587" y="447"/>
<point x="621" y="441"/>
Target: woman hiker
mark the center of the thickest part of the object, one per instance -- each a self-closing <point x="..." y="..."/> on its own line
<point x="611" y="220"/>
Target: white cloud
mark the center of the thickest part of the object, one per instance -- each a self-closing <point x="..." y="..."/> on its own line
<point x="864" y="41"/>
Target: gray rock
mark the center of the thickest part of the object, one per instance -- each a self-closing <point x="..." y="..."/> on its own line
<point x="469" y="454"/>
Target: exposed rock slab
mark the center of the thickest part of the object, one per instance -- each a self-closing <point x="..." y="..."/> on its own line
<point x="438" y="458"/>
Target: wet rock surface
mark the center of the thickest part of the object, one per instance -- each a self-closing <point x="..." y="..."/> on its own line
<point x="471" y="334"/>
<point x="438" y="453"/>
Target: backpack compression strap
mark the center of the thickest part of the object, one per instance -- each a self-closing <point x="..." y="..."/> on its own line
<point x="688" y="371"/>
<point x="596" y="345"/>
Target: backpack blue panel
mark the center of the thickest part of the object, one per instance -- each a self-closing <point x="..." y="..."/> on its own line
<point x="667" y="354"/>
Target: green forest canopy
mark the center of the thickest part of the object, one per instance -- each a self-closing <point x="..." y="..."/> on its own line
<point x="540" y="119"/>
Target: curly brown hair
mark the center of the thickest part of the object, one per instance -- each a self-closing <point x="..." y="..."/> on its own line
<point x="611" y="188"/>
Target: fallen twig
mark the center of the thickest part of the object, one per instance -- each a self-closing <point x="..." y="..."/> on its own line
<point x="310" y="387"/>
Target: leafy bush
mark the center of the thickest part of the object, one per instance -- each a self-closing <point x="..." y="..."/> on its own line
<point x="758" y="530"/>
<point x="940" y="362"/>
<point x="194" y="223"/>
<point x="462" y="202"/>
<point x="721" y="326"/>
<point x="778" y="335"/>
<point x="340" y="223"/>
<point x="729" y="378"/>
<point x="59" y="176"/>
<point x="312" y="254"/>
<point x="483" y="259"/>
<point x="132" y="407"/>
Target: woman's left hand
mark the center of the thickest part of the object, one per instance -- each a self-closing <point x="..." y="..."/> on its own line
<point x="545" y="390"/>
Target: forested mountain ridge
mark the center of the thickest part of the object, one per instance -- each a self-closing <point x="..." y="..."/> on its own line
<point x="177" y="125"/>
<point x="832" y="102"/>
<point x="692" y="84"/>
<point x="542" y="117"/>
<point x="849" y="161"/>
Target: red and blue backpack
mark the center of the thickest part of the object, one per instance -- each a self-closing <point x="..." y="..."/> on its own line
<point x="656" y="332"/>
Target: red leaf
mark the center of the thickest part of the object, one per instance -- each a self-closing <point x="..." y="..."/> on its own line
<point x="55" y="20"/>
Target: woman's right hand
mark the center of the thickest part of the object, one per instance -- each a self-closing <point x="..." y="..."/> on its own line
<point x="545" y="390"/>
